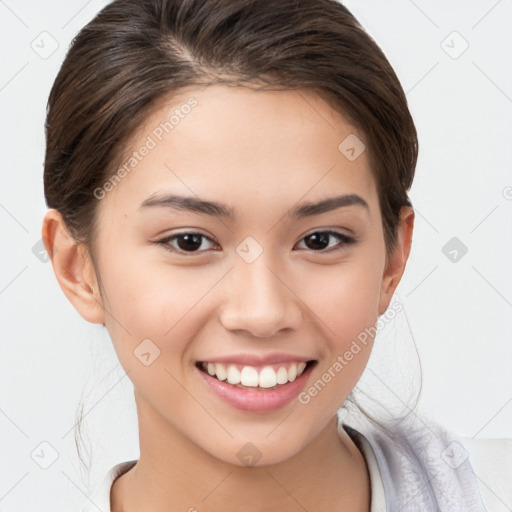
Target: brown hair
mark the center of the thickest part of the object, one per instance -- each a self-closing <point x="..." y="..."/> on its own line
<point x="135" y="54"/>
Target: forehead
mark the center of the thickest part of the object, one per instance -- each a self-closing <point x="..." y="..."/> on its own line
<point x="237" y="144"/>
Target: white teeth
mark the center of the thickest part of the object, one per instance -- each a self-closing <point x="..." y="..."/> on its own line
<point x="292" y="372"/>
<point x="220" y="372"/>
<point x="268" y="377"/>
<point x="233" y="375"/>
<point x="282" y="375"/>
<point x="249" y="376"/>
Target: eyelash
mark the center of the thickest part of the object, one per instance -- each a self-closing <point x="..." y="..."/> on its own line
<point x="345" y="239"/>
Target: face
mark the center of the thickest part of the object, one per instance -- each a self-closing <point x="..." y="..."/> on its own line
<point x="260" y="279"/>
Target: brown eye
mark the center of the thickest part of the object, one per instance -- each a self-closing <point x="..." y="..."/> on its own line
<point x="186" y="243"/>
<point x="320" y="240"/>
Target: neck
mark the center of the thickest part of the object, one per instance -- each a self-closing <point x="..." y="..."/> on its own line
<point x="329" y="474"/>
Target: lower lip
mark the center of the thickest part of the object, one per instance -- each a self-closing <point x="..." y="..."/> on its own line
<point x="257" y="400"/>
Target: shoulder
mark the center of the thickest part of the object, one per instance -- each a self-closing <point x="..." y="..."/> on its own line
<point x="99" y="500"/>
<point x="423" y="465"/>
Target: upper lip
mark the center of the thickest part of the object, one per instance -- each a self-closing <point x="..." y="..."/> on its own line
<point x="257" y="359"/>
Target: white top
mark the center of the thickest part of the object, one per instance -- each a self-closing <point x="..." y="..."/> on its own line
<point x="418" y="466"/>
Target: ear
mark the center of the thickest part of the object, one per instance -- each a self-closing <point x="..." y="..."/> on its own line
<point x="73" y="268"/>
<point x="395" y="265"/>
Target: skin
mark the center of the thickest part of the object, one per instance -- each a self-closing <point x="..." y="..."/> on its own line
<point x="261" y="153"/>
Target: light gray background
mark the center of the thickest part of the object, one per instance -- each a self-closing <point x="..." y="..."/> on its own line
<point x="456" y="314"/>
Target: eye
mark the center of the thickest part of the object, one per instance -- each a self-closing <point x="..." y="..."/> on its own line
<point x="318" y="241"/>
<point x="187" y="243"/>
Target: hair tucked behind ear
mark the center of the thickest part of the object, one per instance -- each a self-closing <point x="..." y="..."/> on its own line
<point x="135" y="54"/>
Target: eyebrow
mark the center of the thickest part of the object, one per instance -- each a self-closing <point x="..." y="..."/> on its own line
<point x="195" y="205"/>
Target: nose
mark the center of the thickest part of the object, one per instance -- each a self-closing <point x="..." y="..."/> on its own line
<point x="259" y="301"/>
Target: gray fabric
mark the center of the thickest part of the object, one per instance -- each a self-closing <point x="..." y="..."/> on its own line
<point x="423" y="466"/>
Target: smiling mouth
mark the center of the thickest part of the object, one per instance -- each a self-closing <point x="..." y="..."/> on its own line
<point x="256" y="378"/>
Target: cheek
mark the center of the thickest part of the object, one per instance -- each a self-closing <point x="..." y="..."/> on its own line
<point x="156" y="302"/>
<point x="346" y="304"/>
<point x="346" y="299"/>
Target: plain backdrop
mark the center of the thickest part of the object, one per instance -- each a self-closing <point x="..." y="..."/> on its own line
<point x="453" y="59"/>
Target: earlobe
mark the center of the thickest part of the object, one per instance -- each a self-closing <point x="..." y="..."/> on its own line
<point x="73" y="268"/>
<point x="397" y="259"/>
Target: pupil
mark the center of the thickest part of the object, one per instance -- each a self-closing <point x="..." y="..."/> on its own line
<point x="321" y="240"/>
<point x="191" y="242"/>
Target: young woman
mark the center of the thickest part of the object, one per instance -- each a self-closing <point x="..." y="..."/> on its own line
<point x="227" y="184"/>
